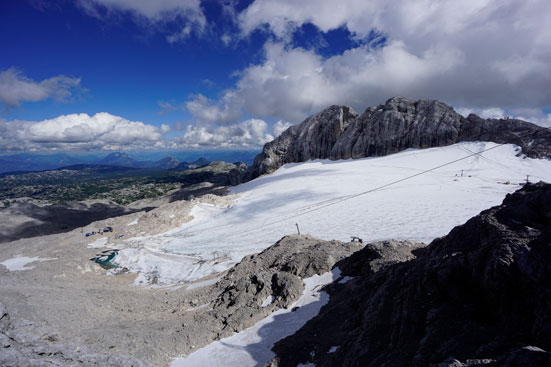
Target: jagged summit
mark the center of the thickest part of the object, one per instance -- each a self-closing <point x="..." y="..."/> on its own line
<point x="119" y="159"/>
<point x="338" y="132"/>
<point x="167" y="162"/>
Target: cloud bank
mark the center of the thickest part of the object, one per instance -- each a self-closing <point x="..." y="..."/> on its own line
<point x="79" y="132"/>
<point x="472" y="53"/>
<point x="251" y="133"/>
<point x="104" y="131"/>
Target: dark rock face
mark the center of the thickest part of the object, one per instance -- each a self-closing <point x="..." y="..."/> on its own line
<point x="479" y="296"/>
<point x="401" y="123"/>
<point x="534" y="140"/>
<point x="313" y="138"/>
<point x="237" y="174"/>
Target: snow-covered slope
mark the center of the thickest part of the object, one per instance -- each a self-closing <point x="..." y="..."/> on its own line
<point x="311" y="194"/>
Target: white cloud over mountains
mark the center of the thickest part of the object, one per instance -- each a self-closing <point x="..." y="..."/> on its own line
<point x="490" y="57"/>
<point x="16" y="88"/>
<point x="474" y="53"/>
<point x="79" y="131"/>
<point x="104" y="131"/>
<point x="245" y="134"/>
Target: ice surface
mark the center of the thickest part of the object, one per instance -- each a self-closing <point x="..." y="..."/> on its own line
<point x="311" y="194"/>
<point x="19" y="263"/>
<point x="98" y="243"/>
<point x="253" y="346"/>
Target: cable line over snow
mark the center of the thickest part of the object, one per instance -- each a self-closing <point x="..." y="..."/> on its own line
<point x="338" y="200"/>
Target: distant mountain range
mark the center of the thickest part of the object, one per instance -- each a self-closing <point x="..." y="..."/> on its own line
<point x="122" y="160"/>
<point x="182" y="166"/>
<point x="37" y="162"/>
<point x="169" y="162"/>
<point x="31" y="162"/>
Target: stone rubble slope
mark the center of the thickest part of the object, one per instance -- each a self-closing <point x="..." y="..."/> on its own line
<point x="22" y="346"/>
<point x="105" y="321"/>
<point x="479" y="296"/>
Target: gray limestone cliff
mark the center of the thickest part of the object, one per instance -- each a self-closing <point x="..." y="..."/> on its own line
<point x="401" y="123"/>
<point x="313" y="138"/>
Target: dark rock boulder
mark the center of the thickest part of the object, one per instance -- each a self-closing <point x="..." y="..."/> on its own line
<point x="479" y="296"/>
<point x="237" y="174"/>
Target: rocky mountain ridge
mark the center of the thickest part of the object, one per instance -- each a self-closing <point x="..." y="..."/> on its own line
<point x="338" y="132"/>
<point x="478" y="296"/>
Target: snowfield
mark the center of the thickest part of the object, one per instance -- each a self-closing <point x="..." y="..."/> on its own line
<point x="311" y="194"/>
<point x="20" y="263"/>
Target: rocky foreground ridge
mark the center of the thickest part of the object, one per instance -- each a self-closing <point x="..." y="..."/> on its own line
<point x="479" y="296"/>
<point x="338" y="132"/>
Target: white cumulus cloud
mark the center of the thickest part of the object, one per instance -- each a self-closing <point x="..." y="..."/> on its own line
<point x="79" y="131"/>
<point x="292" y="83"/>
<point x="479" y="53"/>
<point x="250" y="133"/>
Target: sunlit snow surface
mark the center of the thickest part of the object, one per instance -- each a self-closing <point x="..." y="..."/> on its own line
<point x="20" y="263"/>
<point x="421" y="208"/>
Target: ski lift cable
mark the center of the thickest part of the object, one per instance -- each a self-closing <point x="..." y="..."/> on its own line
<point x="352" y="196"/>
<point x="336" y="200"/>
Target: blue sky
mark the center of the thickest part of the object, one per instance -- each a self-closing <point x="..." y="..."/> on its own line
<point x="101" y="75"/>
<point x="126" y="68"/>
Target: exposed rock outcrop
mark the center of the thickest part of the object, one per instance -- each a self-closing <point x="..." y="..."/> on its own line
<point x="217" y="172"/>
<point x="478" y="296"/>
<point x="23" y="220"/>
<point x="313" y="138"/>
<point x="401" y="123"/>
<point x="275" y="272"/>
<point x="237" y="174"/>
